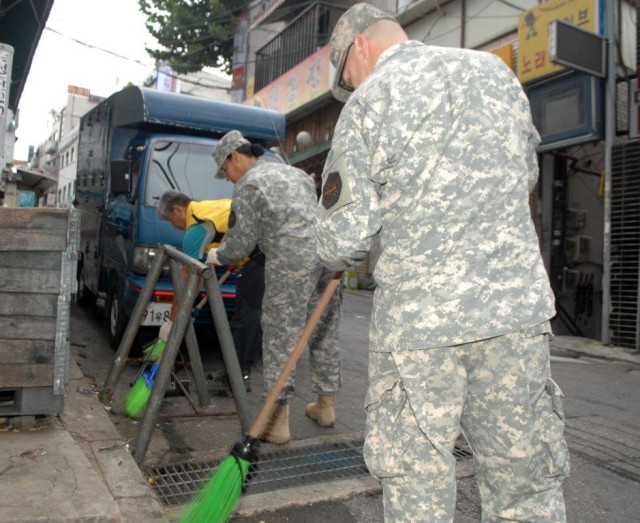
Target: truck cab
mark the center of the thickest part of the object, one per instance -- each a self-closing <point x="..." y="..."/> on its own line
<point x="134" y="146"/>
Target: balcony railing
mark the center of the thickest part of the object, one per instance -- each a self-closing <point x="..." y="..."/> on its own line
<point x="302" y="37"/>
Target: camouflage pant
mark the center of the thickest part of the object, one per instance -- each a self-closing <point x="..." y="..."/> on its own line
<point x="501" y="393"/>
<point x="284" y="315"/>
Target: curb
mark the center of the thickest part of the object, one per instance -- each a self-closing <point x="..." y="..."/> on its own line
<point x="106" y="451"/>
<point x="576" y="347"/>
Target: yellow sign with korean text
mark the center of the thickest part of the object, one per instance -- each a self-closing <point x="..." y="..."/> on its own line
<point x="299" y="86"/>
<point x="533" y="36"/>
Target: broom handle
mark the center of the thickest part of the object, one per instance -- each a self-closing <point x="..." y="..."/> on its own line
<point x="269" y="404"/>
<point x="222" y="279"/>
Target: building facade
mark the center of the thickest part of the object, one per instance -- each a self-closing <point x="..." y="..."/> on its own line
<point x="56" y="156"/>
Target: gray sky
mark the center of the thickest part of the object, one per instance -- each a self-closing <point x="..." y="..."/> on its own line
<point x="116" y="26"/>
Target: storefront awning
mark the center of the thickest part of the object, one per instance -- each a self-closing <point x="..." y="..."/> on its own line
<point x="28" y="180"/>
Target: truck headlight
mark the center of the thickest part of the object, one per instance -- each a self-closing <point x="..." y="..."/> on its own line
<point x="143" y="258"/>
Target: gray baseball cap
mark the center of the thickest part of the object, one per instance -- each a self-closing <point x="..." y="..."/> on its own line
<point x="228" y="143"/>
<point x="355" y="20"/>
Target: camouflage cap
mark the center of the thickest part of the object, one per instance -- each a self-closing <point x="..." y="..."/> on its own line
<point x="228" y="143"/>
<point x="353" y="22"/>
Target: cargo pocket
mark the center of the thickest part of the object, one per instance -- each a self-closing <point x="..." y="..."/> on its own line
<point x="551" y="432"/>
<point x="386" y="435"/>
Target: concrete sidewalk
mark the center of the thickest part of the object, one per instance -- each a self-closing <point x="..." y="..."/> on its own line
<point x="575" y="347"/>
<point x="74" y="468"/>
<point x="77" y="468"/>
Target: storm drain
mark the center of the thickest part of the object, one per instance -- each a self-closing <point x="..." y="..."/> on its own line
<point x="280" y="469"/>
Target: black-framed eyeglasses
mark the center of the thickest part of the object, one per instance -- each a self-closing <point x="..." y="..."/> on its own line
<point x="341" y="81"/>
<point x="222" y="166"/>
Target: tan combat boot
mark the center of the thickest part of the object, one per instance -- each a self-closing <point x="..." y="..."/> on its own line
<point x="277" y="429"/>
<point x="323" y="411"/>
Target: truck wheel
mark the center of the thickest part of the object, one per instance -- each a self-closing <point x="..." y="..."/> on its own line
<point x="115" y="314"/>
<point x="85" y="297"/>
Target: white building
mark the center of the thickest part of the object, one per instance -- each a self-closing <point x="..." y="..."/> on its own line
<point x="57" y="155"/>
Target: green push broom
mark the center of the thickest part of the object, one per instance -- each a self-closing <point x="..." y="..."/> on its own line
<point x="216" y="501"/>
<point x="140" y="392"/>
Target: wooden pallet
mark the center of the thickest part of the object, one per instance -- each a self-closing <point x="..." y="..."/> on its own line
<point x="38" y="259"/>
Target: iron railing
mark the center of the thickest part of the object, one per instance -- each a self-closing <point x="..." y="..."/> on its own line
<point x="303" y="36"/>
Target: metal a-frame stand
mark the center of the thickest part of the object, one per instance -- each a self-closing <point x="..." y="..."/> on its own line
<point x="182" y="328"/>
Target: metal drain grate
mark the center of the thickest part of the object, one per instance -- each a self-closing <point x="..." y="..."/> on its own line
<point x="459" y="453"/>
<point x="282" y="469"/>
<point x="279" y="469"/>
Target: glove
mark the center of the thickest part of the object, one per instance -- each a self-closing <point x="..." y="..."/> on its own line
<point x="212" y="257"/>
<point x="164" y="330"/>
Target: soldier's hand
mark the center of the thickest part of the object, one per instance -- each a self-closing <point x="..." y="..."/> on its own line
<point x="212" y="257"/>
<point x="164" y="330"/>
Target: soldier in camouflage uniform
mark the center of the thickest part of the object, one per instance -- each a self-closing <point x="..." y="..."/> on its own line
<point x="435" y="152"/>
<point x="273" y="207"/>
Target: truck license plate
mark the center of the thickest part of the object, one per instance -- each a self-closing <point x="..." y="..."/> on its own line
<point x="155" y="314"/>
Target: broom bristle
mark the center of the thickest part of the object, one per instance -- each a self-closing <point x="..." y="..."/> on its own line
<point x="137" y="398"/>
<point x="216" y="501"/>
<point x="153" y="350"/>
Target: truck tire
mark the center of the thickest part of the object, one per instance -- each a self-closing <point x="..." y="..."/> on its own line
<point x="84" y="297"/>
<point x="116" y="315"/>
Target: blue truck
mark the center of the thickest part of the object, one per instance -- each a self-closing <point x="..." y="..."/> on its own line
<point x="132" y="147"/>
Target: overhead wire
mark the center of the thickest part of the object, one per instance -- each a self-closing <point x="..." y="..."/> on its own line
<point x="457" y="27"/>
<point x="154" y="67"/>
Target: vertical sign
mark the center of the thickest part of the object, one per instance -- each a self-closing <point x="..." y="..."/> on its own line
<point x="239" y="59"/>
<point x="166" y="80"/>
<point x="533" y="37"/>
<point x="582" y="50"/>
<point x="6" y="65"/>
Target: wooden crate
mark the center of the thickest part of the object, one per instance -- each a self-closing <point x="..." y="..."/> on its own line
<point x="38" y="259"/>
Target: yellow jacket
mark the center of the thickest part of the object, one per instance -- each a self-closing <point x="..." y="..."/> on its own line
<point x="216" y="212"/>
<point x="213" y="211"/>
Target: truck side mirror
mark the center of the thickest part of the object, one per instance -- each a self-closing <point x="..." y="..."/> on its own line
<point x="120" y="176"/>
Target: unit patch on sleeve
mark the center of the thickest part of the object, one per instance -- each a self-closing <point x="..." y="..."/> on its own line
<point x="335" y="187"/>
<point x="232" y="218"/>
<point x="331" y="190"/>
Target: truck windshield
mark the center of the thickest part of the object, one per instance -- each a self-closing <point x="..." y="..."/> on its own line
<point x="185" y="167"/>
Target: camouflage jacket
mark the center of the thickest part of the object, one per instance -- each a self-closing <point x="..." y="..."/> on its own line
<point x="273" y="206"/>
<point x="436" y="152"/>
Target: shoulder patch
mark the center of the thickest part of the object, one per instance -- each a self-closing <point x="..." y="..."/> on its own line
<point x="336" y="192"/>
<point x="232" y="219"/>
<point x="331" y="190"/>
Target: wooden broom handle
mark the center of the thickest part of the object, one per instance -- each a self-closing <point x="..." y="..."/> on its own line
<point x="263" y="417"/>
<point x="222" y="279"/>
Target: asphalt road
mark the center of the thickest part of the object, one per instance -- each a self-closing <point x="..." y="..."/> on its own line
<point x="602" y="405"/>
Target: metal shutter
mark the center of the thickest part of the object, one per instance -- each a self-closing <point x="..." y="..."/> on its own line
<point x="625" y="245"/>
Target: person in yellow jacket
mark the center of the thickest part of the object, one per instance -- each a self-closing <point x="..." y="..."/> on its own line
<point x="205" y="223"/>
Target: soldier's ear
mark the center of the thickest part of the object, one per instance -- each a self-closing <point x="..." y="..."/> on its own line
<point x="361" y="46"/>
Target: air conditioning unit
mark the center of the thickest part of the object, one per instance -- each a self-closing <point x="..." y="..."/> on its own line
<point x="577" y="249"/>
